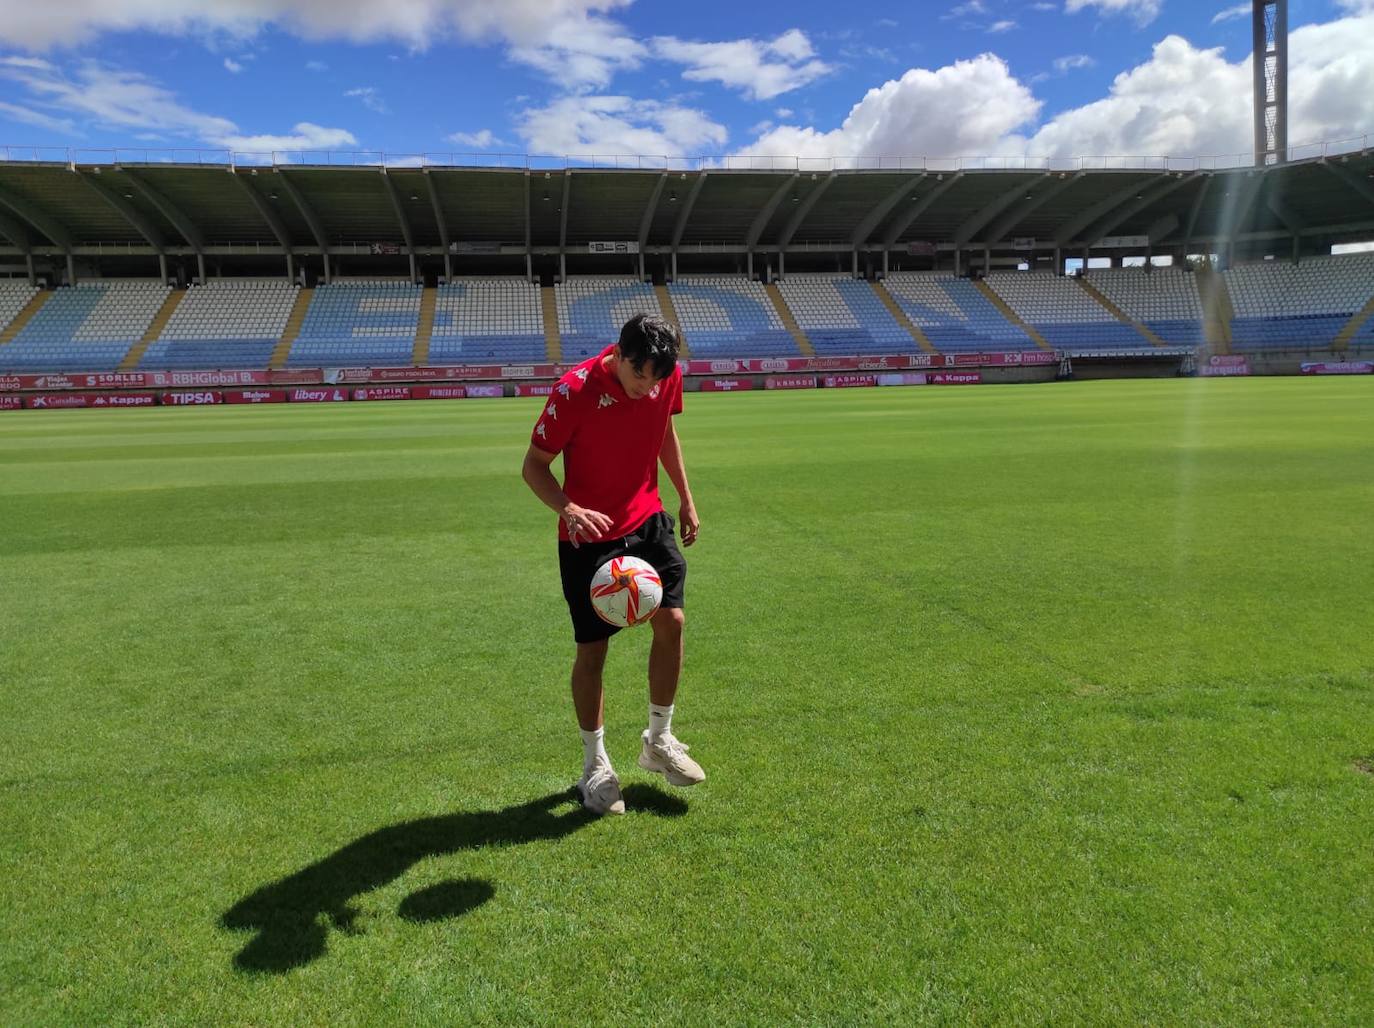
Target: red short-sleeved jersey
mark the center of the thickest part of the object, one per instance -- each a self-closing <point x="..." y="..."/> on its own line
<point x="610" y="443"/>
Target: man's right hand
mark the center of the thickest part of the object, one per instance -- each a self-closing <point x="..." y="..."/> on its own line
<point x="589" y="524"/>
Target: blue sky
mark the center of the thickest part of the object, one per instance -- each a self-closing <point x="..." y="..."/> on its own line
<point x="1065" y="78"/>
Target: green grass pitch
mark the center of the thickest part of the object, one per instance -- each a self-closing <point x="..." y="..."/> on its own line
<point x="1047" y="703"/>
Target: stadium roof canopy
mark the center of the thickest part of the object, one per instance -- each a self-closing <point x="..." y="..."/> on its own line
<point x="59" y="208"/>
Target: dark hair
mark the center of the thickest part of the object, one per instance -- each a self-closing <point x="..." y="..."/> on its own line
<point x="650" y="339"/>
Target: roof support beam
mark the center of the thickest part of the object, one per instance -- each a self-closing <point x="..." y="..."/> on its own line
<point x="563" y="226"/>
<point x="1249" y="189"/>
<point x="401" y="219"/>
<point x="1282" y="211"/>
<point x="1195" y="210"/>
<point x="39" y="219"/>
<point x="803" y="209"/>
<point x="15" y="232"/>
<point x="648" y="218"/>
<point x="443" y="225"/>
<point x="1042" y="195"/>
<point x="169" y="210"/>
<point x="975" y="223"/>
<point x="1161" y="227"/>
<point x="760" y="221"/>
<point x="125" y="210"/>
<point x="918" y="208"/>
<point x="878" y="213"/>
<point x="308" y="213"/>
<point x="1359" y="185"/>
<point x="681" y="226"/>
<point x="1150" y="195"/>
<point x="1098" y="211"/>
<point x="529" y="259"/>
<point x="268" y="215"/>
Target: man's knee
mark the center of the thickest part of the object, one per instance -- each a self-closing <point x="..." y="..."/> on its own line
<point x="669" y="621"/>
<point x="592" y="656"/>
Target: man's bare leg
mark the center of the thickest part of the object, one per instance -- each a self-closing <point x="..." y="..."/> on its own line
<point x="665" y="656"/>
<point x="588" y="695"/>
<point x="662" y="752"/>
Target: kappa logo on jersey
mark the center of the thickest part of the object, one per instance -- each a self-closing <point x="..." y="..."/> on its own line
<point x="539" y="431"/>
<point x="581" y="374"/>
<point x="606" y="400"/>
<point x="564" y="389"/>
<point x="552" y="412"/>
<point x="653" y="393"/>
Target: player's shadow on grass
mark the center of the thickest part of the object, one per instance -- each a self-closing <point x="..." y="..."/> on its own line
<point x="292" y="916"/>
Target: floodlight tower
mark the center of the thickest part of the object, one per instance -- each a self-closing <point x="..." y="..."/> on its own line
<point x="1269" y="61"/>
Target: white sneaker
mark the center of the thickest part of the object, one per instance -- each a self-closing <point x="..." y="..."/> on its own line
<point x="599" y="789"/>
<point x="668" y="757"/>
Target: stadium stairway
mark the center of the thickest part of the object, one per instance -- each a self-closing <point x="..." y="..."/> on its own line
<point x="293" y="329"/>
<point x="553" y="341"/>
<point x="1011" y="315"/>
<point x="900" y="317"/>
<point x="789" y="322"/>
<point x="1348" y="330"/>
<point x="1217" y="311"/>
<point x="665" y="303"/>
<point x="154" y="330"/>
<point x="24" y="316"/>
<point x="425" y="329"/>
<point x="1118" y="313"/>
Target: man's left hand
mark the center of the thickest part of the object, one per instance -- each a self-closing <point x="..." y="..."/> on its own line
<point x="688" y="524"/>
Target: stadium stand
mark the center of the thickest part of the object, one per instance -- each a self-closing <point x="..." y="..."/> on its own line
<point x="365" y="322"/>
<point x="1301" y="306"/>
<point x="15" y="295"/>
<point x="226" y="323"/>
<point x="1164" y="300"/>
<point x="953" y="314"/>
<point x="1063" y="313"/>
<point x="729" y="316"/>
<point x="842" y="315"/>
<point x="87" y="327"/>
<point x="592" y="309"/>
<point x="482" y="319"/>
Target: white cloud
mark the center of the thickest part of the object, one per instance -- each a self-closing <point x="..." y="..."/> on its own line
<point x="966" y="9"/>
<point x="573" y="41"/>
<point x="477" y="140"/>
<point x="618" y="125"/>
<point x="370" y="98"/>
<point x="761" y="69"/>
<point x="1239" y="11"/>
<point x="232" y="66"/>
<point x="1183" y="101"/>
<point x="111" y="98"/>
<point x="1189" y="101"/>
<point x="1063" y="65"/>
<point x="1044" y="7"/>
<point x="304" y="136"/>
<point x="1141" y="11"/>
<point x="316" y="66"/>
<point x="1002" y="26"/>
<point x="783" y="112"/>
<point x="25" y="116"/>
<point x="969" y="107"/>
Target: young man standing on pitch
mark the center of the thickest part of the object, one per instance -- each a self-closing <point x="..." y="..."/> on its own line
<point x="611" y="418"/>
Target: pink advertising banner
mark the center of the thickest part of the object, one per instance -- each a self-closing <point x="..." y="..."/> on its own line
<point x="255" y="396"/>
<point x="726" y="385"/>
<point x="1338" y="368"/>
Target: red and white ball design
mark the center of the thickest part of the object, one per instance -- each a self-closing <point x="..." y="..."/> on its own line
<point x="626" y="591"/>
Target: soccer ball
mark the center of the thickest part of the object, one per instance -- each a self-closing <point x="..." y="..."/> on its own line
<point x="626" y="591"/>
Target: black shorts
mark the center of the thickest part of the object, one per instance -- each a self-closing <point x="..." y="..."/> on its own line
<point x="652" y="541"/>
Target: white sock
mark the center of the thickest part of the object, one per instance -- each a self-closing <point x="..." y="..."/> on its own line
<point x="593" y="747"/>
<point x="660" y="719"/>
